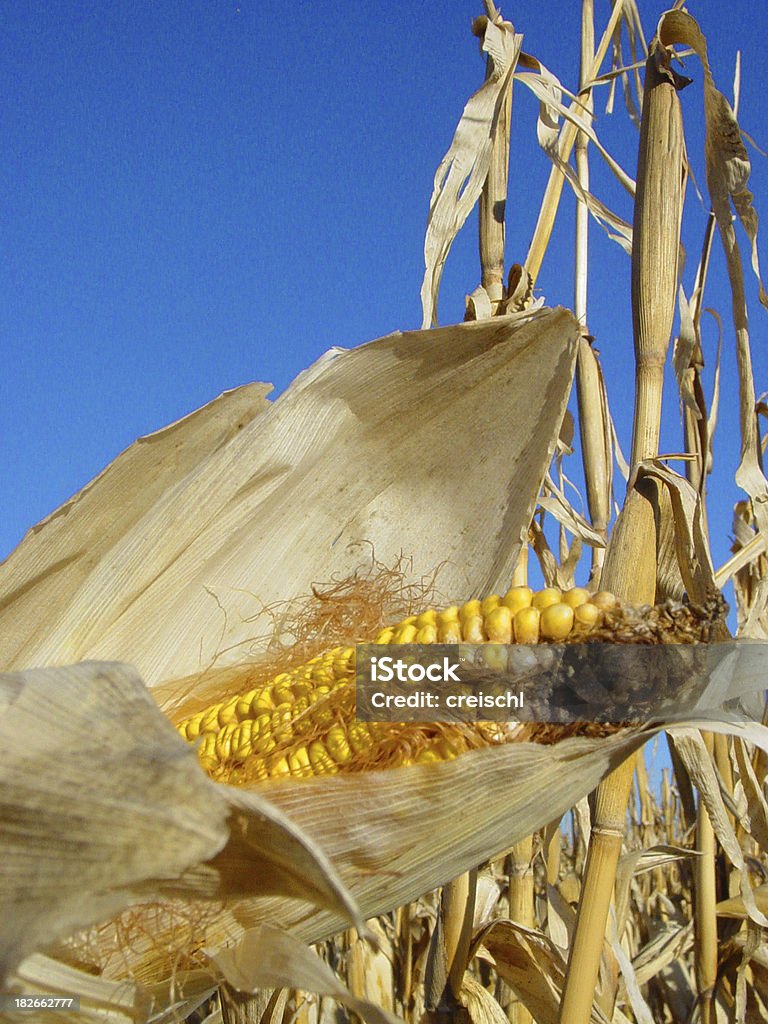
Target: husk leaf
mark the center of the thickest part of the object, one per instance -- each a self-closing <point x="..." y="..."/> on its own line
<point x="409" y="444"/>
<point x="103" y="805"/>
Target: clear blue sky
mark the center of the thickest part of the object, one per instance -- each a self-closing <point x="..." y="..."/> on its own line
<point x="199" y="194"/>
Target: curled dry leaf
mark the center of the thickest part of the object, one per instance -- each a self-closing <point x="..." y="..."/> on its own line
<point x="101" y="1001"/>
<point x="554" y="500"/>
<point x="532" y="966"/>
<point x="670" y="944"/>
<point x="390" y="835"/>
<point x="408" y="444"/>
<point x="462" y="172"/>
<point x="735" y="907"/>
<point x="684" y="560"/>
<point x="728" y="165"/>
<point x="685" y="346"/>
<point x="728" y="170"/>
<point x="103" y="805"/>
<point x="548" y="90"/>
<point x="269" y="958"/>
<point x="699" y="766"/>
<point x="480" y="1005"/>
<point x="634" y="863"/>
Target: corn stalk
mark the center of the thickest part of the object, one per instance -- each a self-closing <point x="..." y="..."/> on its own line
<point x="630" y="567"/>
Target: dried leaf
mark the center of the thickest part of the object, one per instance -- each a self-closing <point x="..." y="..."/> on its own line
<point x="687" y="560"/>
<point x="103" y="804"/>
<point x="462" y="172"/>
<point x="481" y="1007"/>
<point x="735" y="907"/>
<point x="407" y="444"/>
<point x="754" y="818"/>
<point x="533" y="968"/>
<point x="553" y="499"/>
<point x="631" y="864"/>
<point x="640" y="1009"/>
<point x="101" y="1001"/>
<point x="270" y="958"/>
<point x="668" y="946"/>
<point x="685" y="346"/>
<point x="698" y="764"/>
<point x="561" y="919"/>
<point x="728" y="170"/>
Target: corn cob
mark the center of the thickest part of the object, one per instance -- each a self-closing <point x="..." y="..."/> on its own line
<point x="302" y="723"/>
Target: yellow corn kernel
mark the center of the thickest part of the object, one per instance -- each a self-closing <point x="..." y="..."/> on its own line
<point x="300" y="722"/>
<point x="544" y="598"/>
<point x="495" y="655"/>
<point x="526" y="625"/>
<point x="242" y="740"/>
<point x="428" y="756"/>
<point x="336" y="742"/>
<point x="243" y="706"/>
<point x="262" y="734"/>
<point x="517" y="598"/>
<point x="499" y="625"/>
<point x="321" y="674"/>
<point x="282" y="691"/>
<point x="262" y="700"/>
<point x="257" y="769"/>
<point x="427" y="634"/>
<point x="344" y="661"/>
<point x="206" y="752"/>
<point x="428" y="618"/>
<point x="587" y="615"/>
<point x="321" y="761"/>
<point x="210" y="719"/>
<point x="190" y="729"/>
<point x="224" y="740"/>
<point x="470" y="610"/>
<point x="489" y="603"/>
<point x="359" y="736"/>
<point x="299" y="763"/>
<point x="228" y="712"/>
<point x="278" y="767"/>
<point x="556" y="621"/>
<point x="574" y="597"/>
<point x="301" y="688"/>
<point x="281" y="720"/>
<point x="604" y="600"/>
<point x="473" y="630"/>
<point x="405" y="634"/>
<point x="448" y="627"/>
<point x="322" y="714"/>
<point x="385" y="636"/>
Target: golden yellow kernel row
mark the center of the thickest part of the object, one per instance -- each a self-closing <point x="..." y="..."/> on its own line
<point x="288" y="726"/>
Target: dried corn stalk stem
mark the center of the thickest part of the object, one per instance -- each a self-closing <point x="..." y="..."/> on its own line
<point x="630" y="565"/>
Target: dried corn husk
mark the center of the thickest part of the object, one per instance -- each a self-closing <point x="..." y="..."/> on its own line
<point x="408" y="444"/>
<point x="103" y="805"/>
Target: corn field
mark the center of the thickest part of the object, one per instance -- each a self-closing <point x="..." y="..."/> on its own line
<point x="195" y="825"/>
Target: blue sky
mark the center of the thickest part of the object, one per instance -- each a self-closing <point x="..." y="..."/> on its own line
<point x="199" y="194"/>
